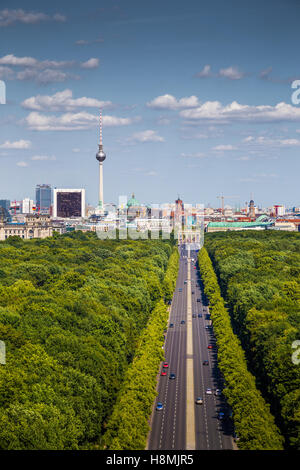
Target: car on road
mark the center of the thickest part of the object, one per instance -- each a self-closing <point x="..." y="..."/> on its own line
<point x="182" y="322"/>
<point x="172" y="376"/>
<point x="221" y="415"/>
<point x="193" y="292"/>
<point x="195" y="267"/>
<point x="207" y="327"/>
<point x="218" y="392"/>
<point x="194" y="315"/>
<point x="171" y="325"/>
<point x="159" y="406"/>
<point x="165" y="365"/>
<point x="198" y="300"/>
<point x="205" y="363"/>
<point x="199" y="315"/>
<point x="180" y="290"/>
<point x="199" y="401"/>
<point x="210" y="346"/>
<point x="163" y="372"/>
<point x="208" y="391"/>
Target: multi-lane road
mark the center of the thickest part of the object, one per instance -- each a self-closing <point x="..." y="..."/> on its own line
<point x="182" y="424"/>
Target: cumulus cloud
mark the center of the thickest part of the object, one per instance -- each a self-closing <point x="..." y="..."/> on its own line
<point x="193" y="155"/>
<point x="146" y="136"/>
<point x="170" y="102"/>
<point x="17" y="145"/>
<point x="62" y="101"/>
<point x="215" y="111"/>
<point x="205" y="72"/>
<point x="42" y="72"/>
<point x="43" y="158"/>
<point x="6" y="73"/>
<point x="84" y="42"/>
<point x="71" y="121"/>
<point x="233" y="73"/>
<point x="92" y="63"/>
<point x="10" y="17"/>
<point x="272" y="142"/>
<point x="224" y="147"/>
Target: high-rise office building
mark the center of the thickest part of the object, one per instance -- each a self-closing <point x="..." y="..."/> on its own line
<point x="27" y="206"/>
<point x="43" y="198"/>
<point x="69" y="203"/>
<point x="4" y="208"/>
<point x="5" y="203"/>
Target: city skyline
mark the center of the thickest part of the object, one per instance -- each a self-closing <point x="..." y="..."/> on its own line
<point x="195" y="100"/>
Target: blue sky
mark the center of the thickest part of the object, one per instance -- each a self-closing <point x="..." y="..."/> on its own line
<point x="196" y="99"/>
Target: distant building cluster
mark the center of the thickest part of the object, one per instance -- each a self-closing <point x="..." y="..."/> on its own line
<point x="63" y="210"/>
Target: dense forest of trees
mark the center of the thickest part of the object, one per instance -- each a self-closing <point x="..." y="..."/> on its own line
<point x="253" y="421"/>
<point x="72" y="312"/>
<point x="259" y="275"/>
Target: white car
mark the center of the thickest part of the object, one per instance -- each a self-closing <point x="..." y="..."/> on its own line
<point x="208" y="391"/>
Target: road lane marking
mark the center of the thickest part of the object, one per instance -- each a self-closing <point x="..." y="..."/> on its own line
<point x="190" y="399"/>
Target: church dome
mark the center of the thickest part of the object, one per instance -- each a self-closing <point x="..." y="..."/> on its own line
<point x="132" y="202"/>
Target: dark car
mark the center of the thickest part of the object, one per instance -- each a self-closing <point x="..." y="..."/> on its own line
<point x="198" y="300"/>
<point x="205" y="363"/>
<point x="193" y="292"/>
<point x="171" y="325"/>
<point x="199" y="315"/>
<point x="221" y="415"/>
<point x="194" y="315"/>
<point x="172" y="376"/>
<point x="182" y="322"/>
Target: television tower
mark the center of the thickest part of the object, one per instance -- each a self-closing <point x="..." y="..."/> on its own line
<point x="101" y="156"/>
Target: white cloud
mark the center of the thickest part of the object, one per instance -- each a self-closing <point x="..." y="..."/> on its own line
<point x="92" y="63"/>
<point x="6" y="72"/>
<point x="43" y="157"/>
<point x="233" y="73"/>
<point x="215" y="111"/>
<point x="22" y="164"/>
<point x="62" y="101"/>
<point x="224" y="147"/>
<point x="17" y="145"/>
<point x="272" y="142"/>
<point x="42" y="72"/>
<point x="250" y="138"/>
<point x="193" y="155"/>
<point x="45" y="77"/>
<point x="146" y="136"/>
<point x="205" y="72"/>
<point x="9" y="17"/>
<point x="170" y="102"/>
<point x="84" y="42"/>
<point x="71" y="121"/>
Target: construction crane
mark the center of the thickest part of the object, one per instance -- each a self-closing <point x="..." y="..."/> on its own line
<point x="226" y="197"/>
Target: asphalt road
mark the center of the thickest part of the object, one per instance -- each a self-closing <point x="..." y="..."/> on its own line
<point x="168" y="426"/>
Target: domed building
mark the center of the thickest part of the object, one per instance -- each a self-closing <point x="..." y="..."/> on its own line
<point x="133" y="202"/>
<point x="135" y="209"/>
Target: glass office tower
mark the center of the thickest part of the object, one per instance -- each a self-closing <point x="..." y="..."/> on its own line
<point x="43" y="198"/>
